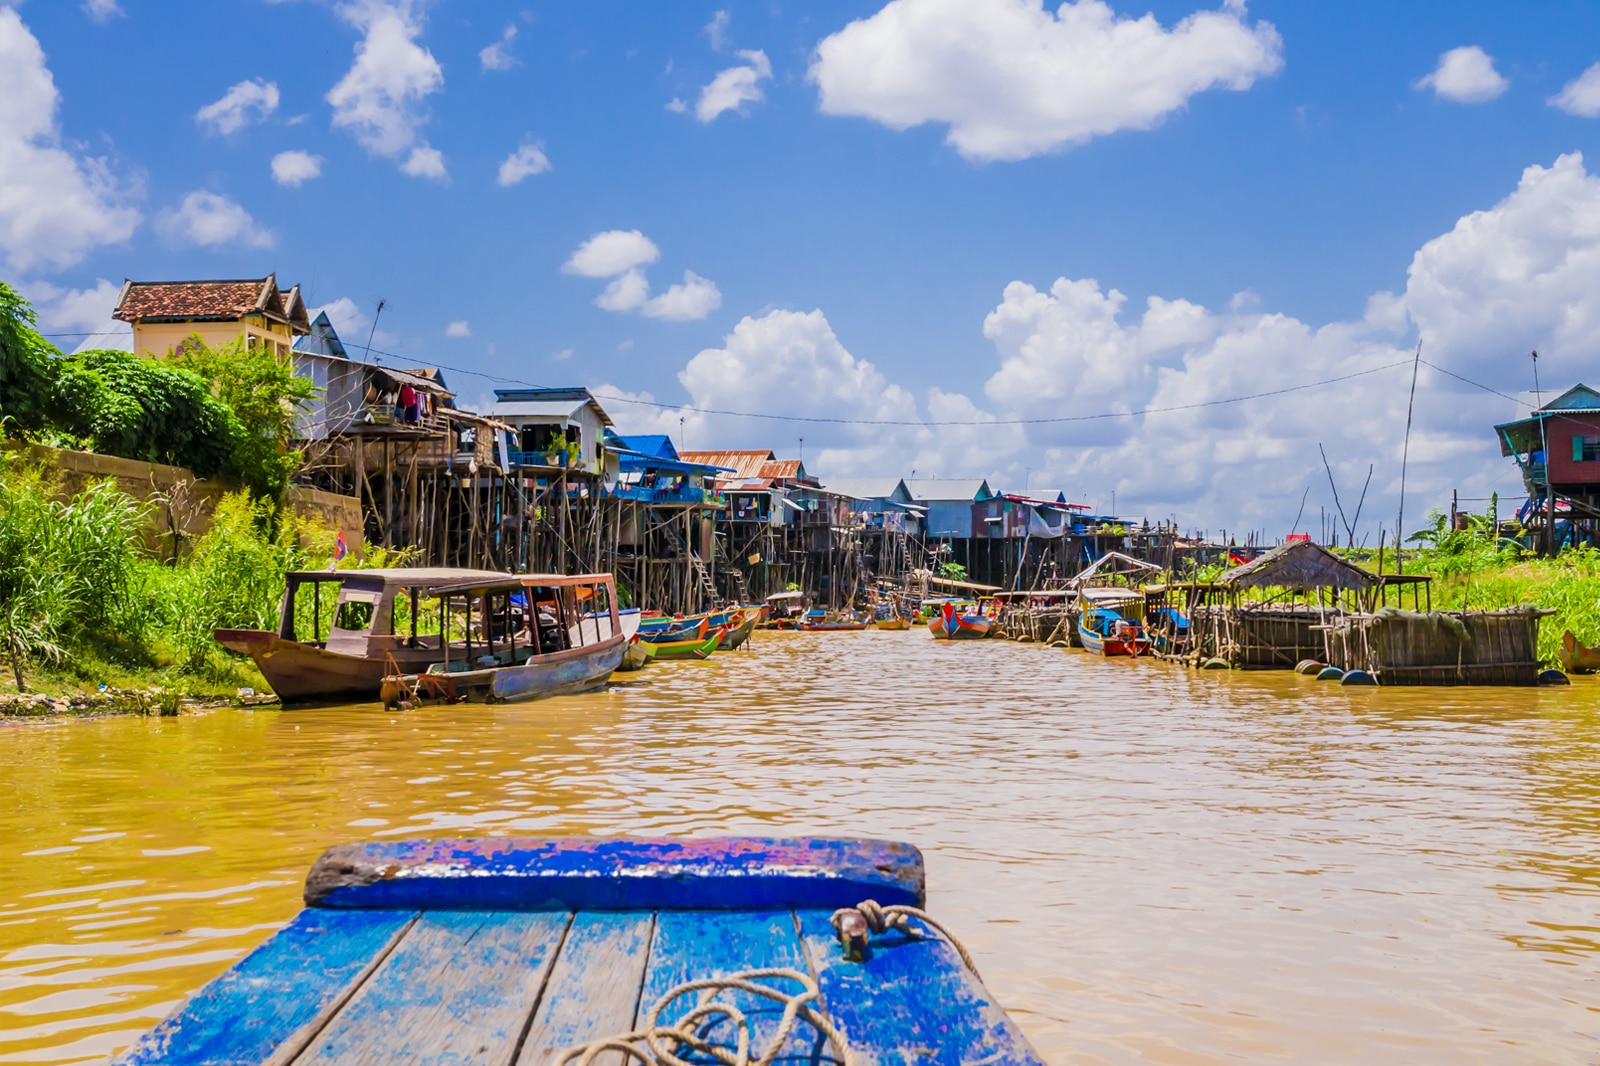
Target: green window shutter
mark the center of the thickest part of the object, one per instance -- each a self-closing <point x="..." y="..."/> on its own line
<point x="1577" y="447"/>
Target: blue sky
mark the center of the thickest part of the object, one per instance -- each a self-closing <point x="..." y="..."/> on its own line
<point x="864" y="219"/>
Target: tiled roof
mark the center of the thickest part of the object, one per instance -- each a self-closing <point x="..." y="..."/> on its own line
<point x="223" y="301"/>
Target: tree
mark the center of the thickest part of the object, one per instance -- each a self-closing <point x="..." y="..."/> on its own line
<point x="267" y="398"/>
<point x="26" y="363"/>
<point x="143" y="409"/>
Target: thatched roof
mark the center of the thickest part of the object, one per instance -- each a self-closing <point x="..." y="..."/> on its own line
<point x="1299" y="565"/>
<point x="1112" y="565"/>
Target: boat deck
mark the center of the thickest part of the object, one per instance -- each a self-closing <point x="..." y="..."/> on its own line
<point x="430" y="952"/>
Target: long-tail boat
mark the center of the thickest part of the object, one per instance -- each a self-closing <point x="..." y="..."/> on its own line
<point x="570" y="639"/>
<point x="349" y="658"/>
<point x="687" y="629"/>
<point x="740" y="629"/>
<point x="953" y="624"/>
<point x="538" y="951"/>
<point x="817" y="620"/>
<point x="700" y="648"/>
<point x="893" y="622"/>
<point x="1576" y="658"/>
<point x="1103" y="630"/>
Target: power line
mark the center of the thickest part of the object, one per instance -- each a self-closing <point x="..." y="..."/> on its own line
<point x="1475" y="384"/>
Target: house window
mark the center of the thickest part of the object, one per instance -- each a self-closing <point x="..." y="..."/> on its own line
<point x="1585" y="449"/>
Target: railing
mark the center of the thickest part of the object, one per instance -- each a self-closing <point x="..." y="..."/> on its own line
<point x="517" y="458"/>
<point x="681" y="494"/>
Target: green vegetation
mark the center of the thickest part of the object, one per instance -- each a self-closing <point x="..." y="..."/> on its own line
<point x="228" y="411"/>
<point x="82" y="603"/>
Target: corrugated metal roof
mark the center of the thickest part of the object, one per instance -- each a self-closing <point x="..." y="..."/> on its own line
<point x="948" y="488"/>
<point x="864" y="488"/>
<point x="786" y="469"/>
<point x="746" y="463"/>
<point x="536" y="409"/>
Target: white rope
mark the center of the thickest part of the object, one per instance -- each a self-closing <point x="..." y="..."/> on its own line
<point x="663" y="1044"/>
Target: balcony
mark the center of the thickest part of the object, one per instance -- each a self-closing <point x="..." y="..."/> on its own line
<point x="677" y="495"/>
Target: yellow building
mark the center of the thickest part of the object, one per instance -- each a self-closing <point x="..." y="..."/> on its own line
<point x="166" y="313"/>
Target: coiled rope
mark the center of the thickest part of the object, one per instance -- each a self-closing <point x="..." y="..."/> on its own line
<point x="663" y="1045"/>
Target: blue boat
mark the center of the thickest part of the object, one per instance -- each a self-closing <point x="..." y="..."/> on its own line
<point x="530" y="952"/>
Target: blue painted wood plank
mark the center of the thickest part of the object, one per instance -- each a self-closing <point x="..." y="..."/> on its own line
<point x="689" y="945"/>
<point x="739" y="873"/>
<point x="593" y="990"/>
<point x="273" y="1000"/>
<point x="911" y="1001"/>
<point x="459" y="989"/>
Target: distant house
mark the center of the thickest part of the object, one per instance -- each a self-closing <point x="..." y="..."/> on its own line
<point x="545" y="423"/>
<point x="1558" y="445"/>
<point x="880" y="502"/>
<point x="949" y="503"/>
<point x="164" y="314"/>
<point x="649" y="470"/>
<point x="757" y="484"/>
<point x="356" y="393"/>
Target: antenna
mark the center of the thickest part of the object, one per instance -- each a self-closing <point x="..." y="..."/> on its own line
<point x="802" y="449"/>
<point x="373" y="332"/>
<point x="1538" y="399"/>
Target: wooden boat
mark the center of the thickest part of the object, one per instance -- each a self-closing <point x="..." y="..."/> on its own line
<point x="817" y="621"/>
<point x="690" y="649"/>
<point x="740" y="630"/>
<point x="559" y="650"/>
<point x="349" y="659"/>
<point x="525" y="951"/>
<point x="953" y="624"/>
<point x="1577" y="659"/>
<point x="688" y="630"/>
<point x="896" y="622"/>
<point x="638" y="655"/>
<point x="1105" y="631"/>
<point x="783" y="609"/>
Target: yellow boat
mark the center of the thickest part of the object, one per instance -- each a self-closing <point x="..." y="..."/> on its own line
<point x="897" y="622"/>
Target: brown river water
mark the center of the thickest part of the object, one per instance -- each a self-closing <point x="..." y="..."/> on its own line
<point x="1149" y="864"/>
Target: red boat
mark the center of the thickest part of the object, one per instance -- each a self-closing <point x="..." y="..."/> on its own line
<point x="950" y="625"/>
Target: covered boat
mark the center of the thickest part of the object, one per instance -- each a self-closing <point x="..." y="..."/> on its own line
<point x="954" y="624"/>
<point x="537" y="636"/>
<point x="348" y="659"/>
<point x="535" y="951"/>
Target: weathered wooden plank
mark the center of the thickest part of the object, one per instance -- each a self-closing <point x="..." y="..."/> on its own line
<point x="689" y="945"/>
<point x="275" y="999"/>
<point x="742" y="873"/>
<point x="459" y="989"/>
<point x="911" y="1002"/>
<point x="593" y="990"/>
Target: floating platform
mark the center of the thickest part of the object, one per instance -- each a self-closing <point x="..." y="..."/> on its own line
<point x="506" y="952"/>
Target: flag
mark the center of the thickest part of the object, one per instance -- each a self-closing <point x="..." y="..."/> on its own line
<point x="340" y="548"/>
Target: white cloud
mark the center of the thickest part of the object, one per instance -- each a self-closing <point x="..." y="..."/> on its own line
<point x="611" y="252"/>
<point x="349" y="321"/>
<point x="677" y="106"/>
<point x="562" y="355"/>
<point x="497" y="56"/>
<point x="55" y="206"/>
<point x="1013" y="80"/>
<point x="1465" y="75"/>
<point x="628" y="291"/>
<point x="101" y="11"/>
<point x="244" y="103"/>
<point x="295" y="168"/>
<point x="458" y="328"/>
<point x="717" y="31"/>
<point x="210" y="220"/>
<point x="694" y="299"/>
<point x="1581" y="95"/>
<point x="79" y="319"/>
<point x="425" y="161"/>
<point x="523" y="163"/>
<point x="731" y="89"/>
<point x="379" y="100"/>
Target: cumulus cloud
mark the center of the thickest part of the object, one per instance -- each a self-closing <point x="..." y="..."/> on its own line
<point x="55" y="204"/>
<point x="295" y="168"/>
<point x="348" y="320"/>
<point x="1145" y="401"/>
<point x="717" y="31"/>
<point x="1466" y="76"/>
<point x="612" y="252"/>
<point x="101" y="11"/>
<point x="628" y="291"/>
<point x="458" y="328"/>
<point x="244" y="103"/>
<point x="210" y="220"/>
<point x="523" y="163"/>
<point x="731" y="89"/>
<point x="693" y="299"/>
<point x="1012" y="80"/>
<point x="380" y="98"/>
<point x="79" y="319"/>
<point x="1581" y="95"/>
<point x="497" y="56"/>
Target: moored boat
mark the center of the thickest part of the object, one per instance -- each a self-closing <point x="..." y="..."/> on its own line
<point x="695" y="629"/>
<point x="1575" y="657"/>
<point x="783" y="610"/>
<point x="540" y="950"/>
<point x="740" y="628"/>
<point x="570" y="640"/>
<point x="1103" y="630"/>
<point x="895" y="622"/>
<point x="349" y="658"/>
<point x="954" y="624"/>
<point x="700" y="648"/>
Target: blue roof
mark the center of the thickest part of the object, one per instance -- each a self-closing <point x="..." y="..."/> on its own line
<point x="656" y="444"/>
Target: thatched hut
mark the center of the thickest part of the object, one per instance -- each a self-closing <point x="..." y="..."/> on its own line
<point x="1440" y="647"/>
<point x="1300" y="587"/>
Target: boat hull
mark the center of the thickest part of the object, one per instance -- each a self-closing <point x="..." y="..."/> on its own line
<point x="1577" y="659"/>
<point x="305" y="673"/>
<point x="952" y="626"/>
<point x="891" y="624"/>
<point x="740" y="633"/>
<point x="565" y="673"/>
<point x="831" y="627"/>
<point x="1132" y="643"/>
<point x="689" y="649"/>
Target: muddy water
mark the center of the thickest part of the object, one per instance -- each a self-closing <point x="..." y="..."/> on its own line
<point x="1151" y="865"/>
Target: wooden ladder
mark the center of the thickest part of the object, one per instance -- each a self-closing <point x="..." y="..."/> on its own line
<point x="703" y="577"/>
